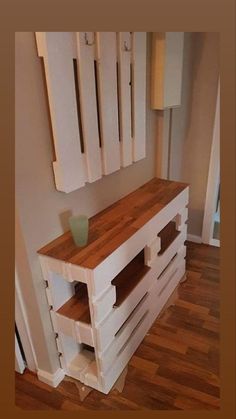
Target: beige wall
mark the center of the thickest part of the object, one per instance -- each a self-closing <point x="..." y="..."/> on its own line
<point x="42" y="209"/>
<point x="192" y="123"/>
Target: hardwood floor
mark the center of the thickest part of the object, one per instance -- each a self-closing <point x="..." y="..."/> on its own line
<point x="176" y="367"/>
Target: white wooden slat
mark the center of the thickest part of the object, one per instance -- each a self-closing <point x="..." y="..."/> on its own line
<point x="59" y="290"/>
<point x="151" y="250"/>
<point x="124" y="58"/>
<point x="84" y="333"/>
<point x="162" y="260"/>
<point x="65" y="325"/>
<point x="106" y="331"/>
<point x="108" y="100"/>
<point x="139" y="94"/>
<point x="122" y="336"/>
<point x="87" y="88"/>
<point x="125" y="355"/>
<point x="58" y="50"/>
<point x="160" y="296"/>
<point x="104" y="305"/>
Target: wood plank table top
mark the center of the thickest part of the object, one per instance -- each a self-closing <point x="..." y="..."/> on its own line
<point x="111" y="227"/>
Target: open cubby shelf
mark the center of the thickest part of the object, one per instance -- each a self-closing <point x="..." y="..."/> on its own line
<point x="77" y="307"/>
<point x="129" y="277"/>
<point x="167" y="235"/>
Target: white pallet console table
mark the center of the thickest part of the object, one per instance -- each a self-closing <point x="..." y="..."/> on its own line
<point x="105" y="296"/>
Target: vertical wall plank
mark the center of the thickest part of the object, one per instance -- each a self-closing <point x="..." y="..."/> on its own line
<point x="108" y="101"/>
<point x="87" y="87"/>
<point x="139" y="94"/>
<point x="58" y="50"/>
<point x="124" y="57"/>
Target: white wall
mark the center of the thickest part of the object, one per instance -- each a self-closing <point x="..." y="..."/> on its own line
<point x="192" y="123"/>
<point x="42" y="210"/>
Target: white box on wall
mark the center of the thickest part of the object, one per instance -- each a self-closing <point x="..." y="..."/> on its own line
<point x="167" y="69"/>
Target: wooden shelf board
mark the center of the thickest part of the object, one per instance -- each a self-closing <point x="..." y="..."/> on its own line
<point x="110" y="228"/>
<point x="129" y="277"/>
<point x="77" y="307"/>
<point x="168" y="234"/>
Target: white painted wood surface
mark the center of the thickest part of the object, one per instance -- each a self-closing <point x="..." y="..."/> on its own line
<point x="107" y="358"/>
<point x="139" y="94"/>
<point x="58" y="50"/>
<point x="96" y="85"/>
<point x="87" y="87"/>
<point x="108" y="99"/>
<point x="124" y="59"/>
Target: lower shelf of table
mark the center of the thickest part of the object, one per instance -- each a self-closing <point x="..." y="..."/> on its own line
<point x="101" y="371"/>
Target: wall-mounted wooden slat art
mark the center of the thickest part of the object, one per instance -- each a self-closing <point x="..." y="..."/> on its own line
<point x="96" y="84"/>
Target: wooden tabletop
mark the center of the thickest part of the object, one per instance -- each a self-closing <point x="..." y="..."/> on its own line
<point x="110" y="228"/>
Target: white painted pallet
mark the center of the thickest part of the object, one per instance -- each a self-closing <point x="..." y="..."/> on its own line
<point x="115" y="332"/>
<point x="96" y="85"/>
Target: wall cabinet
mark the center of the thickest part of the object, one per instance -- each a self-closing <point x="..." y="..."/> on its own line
<point x="167" y="67"/>
<point x="105" y="296"/>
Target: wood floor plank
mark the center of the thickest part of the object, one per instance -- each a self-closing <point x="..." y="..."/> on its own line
<point x="166" y="343"/>
<point x="189" y="403"/>
<point x="27" y="402"/>
<point x="144" y="365"/>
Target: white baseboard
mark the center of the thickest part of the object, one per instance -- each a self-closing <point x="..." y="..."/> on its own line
<point x="215" y="242"/>
<point x="193" y="238"/>
<point x="51" y="379"/>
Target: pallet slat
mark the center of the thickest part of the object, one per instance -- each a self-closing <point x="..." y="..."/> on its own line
<point x="89" y="115"/>
<point x="139" y="95"/>
<point x="58" y="50"/>
<point x="124" y="59"/>
<point x="108" y="100"/>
